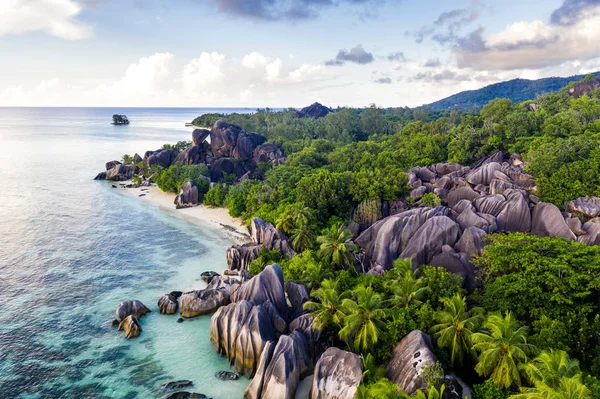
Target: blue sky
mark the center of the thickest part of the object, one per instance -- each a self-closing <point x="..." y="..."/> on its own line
<point x="281" y="53"/>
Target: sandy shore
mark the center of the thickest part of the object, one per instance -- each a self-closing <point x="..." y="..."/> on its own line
<point x="200" y="215"/>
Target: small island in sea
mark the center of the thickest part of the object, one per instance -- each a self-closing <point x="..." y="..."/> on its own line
<point x="367" y="275"/>
<point x="120" y="119"/>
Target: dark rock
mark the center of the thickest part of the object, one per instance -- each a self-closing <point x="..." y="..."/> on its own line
<point x="101" y="176"/>
<point x="469" y="218"/>
<point x="199" y="136"/>
<point x="173" y="385"/>
<point x="186" y="395"/>
<point x="584" y="87"/>
<point x="188" y="196"/>
<point x="201" y="302"/>
<point x="315" y="111"/>
<point x="446" y="168"/>
<point x="490" y="204"/>
<point x="471" y="241"/>
<point x="227" y="375"/>
<point x="191" y="156"/>
<point x="111" y="164"/>
<point x="298" y="294"/>
<point x="414" y="352"/>
<point x="461" y="193"/>
<point x="176" y="294"/>
<point x="137" y="158"/>
<point x="167" y="304"/>
<point x="428" y="240"/>
<point x="418" y="192"/>
<point x="269" y="153"/>
<point x="131" y="308"/>
<point x="208" y="276"/>
<point x="131" y="326"/>
<point x="115" y="323"/>
<point x="424" y="174"/>
<point x="266" y="286"/>
<point x="180" y="320"/>
<point x="337" y="375"/>
<point x="121" y="172"/>
<point x="547" y="220"/>
<point x="516" y="216"/>
<point x="162" y="158"/>
<point x="483" y="174"/>
<point x="223" y="138"/>
<point x="221" y="166"/>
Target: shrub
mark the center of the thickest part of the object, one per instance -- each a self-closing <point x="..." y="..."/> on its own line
<point x="216" y="196"/>
<point x="488" y="390"/>
<point x="431" y="200"/>
<point x="237" y="197"/>
<point x="174" y="177"/>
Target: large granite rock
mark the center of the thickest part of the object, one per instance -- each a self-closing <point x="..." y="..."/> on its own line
<point x="162" y="158"/>
<point x="461" y="193"/>
<point x="471" y="241"/>
<point x="121" y="172"/>
<point x="414" y="352"/>
<point x="266" y="286"/>
<point x="281" y="369"/>
<point x="315" y="111"/>
<point x="221" y="166"/>
<point x="297" y="294"/>
<point x="269" y="152"/>
<point x="239" y="257"/>
<point x="547" y="220"/>
<point x="199" y="136"/>
<point x="131" y="308"/>
<point x="111" y="164"/>
<point x="429" y="239"/>
<point x="188" y="196"/>
<point x="240" y="331"/>
<point x="193" y="155"/>
<point x="592" y="229"/>
<point x="337" y="375"/>
<point x="516" y="215"/>
<point x="131" y="326"/>
<point x="201" y="302"/>
<point x="483" y="174"/>
<point x="167" y="304"/>
<point x="588" y="207"/>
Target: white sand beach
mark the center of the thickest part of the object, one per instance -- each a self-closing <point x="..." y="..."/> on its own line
<point x="200" y="215"/>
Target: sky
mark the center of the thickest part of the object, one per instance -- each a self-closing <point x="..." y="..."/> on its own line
<point x="284" y="53"/>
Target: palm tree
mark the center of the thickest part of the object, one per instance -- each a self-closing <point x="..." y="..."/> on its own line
<point x="503" y="350"/>
<point x="432" y="393"/>
<point x="567" y="388"/>
<point x="550" y="366"/>
<point x="382" y="389"/>
<point x="328" y="310"/>
<point x="455" y="327"/>
<point x="406" y="289"/>
<point x="314" y="274"/>
<point x="285" y="222"/>
<point x="302" y="237"/>
<point x="334" y="247"/>
<point x="364" y="319"/>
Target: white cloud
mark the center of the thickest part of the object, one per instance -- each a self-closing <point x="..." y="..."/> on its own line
<point x="274" y="70"/>
<point x="536" y="44"/>
<point x="254" y="60"/>
<point x="56" y="17"/>
<point x="307" y="72"/>
<point x="203" y="71"/>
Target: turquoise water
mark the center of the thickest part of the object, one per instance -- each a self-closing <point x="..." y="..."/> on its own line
<point x="73" y="248"/>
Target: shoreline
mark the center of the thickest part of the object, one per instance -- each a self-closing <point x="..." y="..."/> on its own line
<point x="201" y="215"/>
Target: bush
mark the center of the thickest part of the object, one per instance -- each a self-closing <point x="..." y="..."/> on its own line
<point x="216" y="196"/>
<point x="326" y="192"/>
<point x="265" y="258"/>
<point x="488" y="390"/>
<point x="431" y="200"/>
<point x="178" y="147"/>
<point x="237" y="197"/>
<point x="173" y="178"/>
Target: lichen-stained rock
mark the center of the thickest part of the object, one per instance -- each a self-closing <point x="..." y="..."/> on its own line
<point x="584" y="206"/>
<point x="131" y="308"/>
<point x="428" y="241"/>
<point x="484" y="174"/>
<point x="120" y="172"/>
<point x="516" y="215"/>
<point x="471" y="241"/>
<point x="188" y="196"/>
<point x="547" y="220"/>
<point x="240" y="331"/>
<point x="131" y="326"/>
<point x="199" y="136"/>
<point x="337" y="375"/>
<point x="414" y="352"/>
<point x="461" y="193"/>
<point x="278" y="375"/>
<point x="490" y="204"/>
<point x="167" y="304"/>
<point x="201" y="302"/>
<point x="266" y="286"/>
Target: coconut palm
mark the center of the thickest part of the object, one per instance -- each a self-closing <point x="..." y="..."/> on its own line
<point x="364" y="319"/>
<point x="335" y="248"/>
<point x="550" y="366"/>
<point x="314" y="274"/>
<point x="503" y="350"/>
<point x="382" y="389"/>
<point x="432" y="393"/>
<point x="302" y="237"/>
<point x="455" y="327"/>
<point x="328" y="310"/>
<point x="406" y="290"/>
<point x="567" y="388"/>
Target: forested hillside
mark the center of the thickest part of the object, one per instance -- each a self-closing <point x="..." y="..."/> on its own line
<point x="517" y="90"/>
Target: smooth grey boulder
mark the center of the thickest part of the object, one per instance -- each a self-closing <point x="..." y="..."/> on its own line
<point x="337" y="375"/>
<point x="471" y="241"/>
<point x="457" y="264"/>
<point x="424" y="174"/>
<point x="100" y="176"/>
<point x="167" y="304"/>
<point x="547" y="220"/>
<point x="162" y="158"/>
<point x="131" y="326"/>
<point x="461" y="193"/>
<point x="188" y="196"/>
<point x="490" y="204"/>
<point x="278" y="375"/>
<point x="414" y="352"/>
<point x="445" y="183"/>
<point x="173" y="385"/>
<point x="192" y="155"/>
<point x="264" y="233"/>
<point x="221" y="166"/>
<point x="592" y="236"/>
<point x="199" y="136"/>
<point x="111" y="164"/>
<point x="576" y="226"/>
<point x="484" y="174"/>
<point x="266" y="286"/>
<point x="297" y="294"/>
<point x="304" y="322"/>
<point x="246" y="143"/>
<point x="516" y="215"/>
<point x="463" y="205"/>
<point x="269" y="152"/>
<point x="447" y="167"/>
<point x="239" y="257"/>
<point x="385" y="240"/>
<point x="223" y="138"/>
<point x="429" y="239"/>
<point x="469" y="218"/>
<point x="131" y="308"/>
<point x="121" y="172"/>
<point x="584" y="206"/>
<point x="418" y="192"/>
<point x="201" y="302"/>
<point x="499" y="187"/>
<point x="137" y="158"/>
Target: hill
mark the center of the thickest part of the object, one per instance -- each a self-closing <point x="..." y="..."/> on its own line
<point x="516" y="90"/>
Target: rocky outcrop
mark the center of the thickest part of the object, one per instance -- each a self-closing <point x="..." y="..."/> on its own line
<point x="131" y="326"/>
<point x="337" y="375"/>
<point x="547" y="220"/>
<point x="267" y="286"/>
<point x="201" y="302"/>
<point x="199" y="136"/>
<point x="429" y="239"/>
<point x="167" y="304"/>
<point x="588" y="207"/>
<point x="269" y="152"/>
<point x="131" y="308"/>
<point x="297" y="294"/>
<point x="581" y="88"/>
<point x="414" y="352"/>
<point x="121" y="172"/>
<point x="137" y="158"/>
<point x="281" y="368"/>
<point x="188" y="196"/>
<point x="315" y="111"/>
<point x="193" y="155"/>
<point x="163" y="158"/>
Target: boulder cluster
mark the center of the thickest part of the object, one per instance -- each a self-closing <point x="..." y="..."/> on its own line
<point x="495" y="195"/>
<point x="128" y="315"/>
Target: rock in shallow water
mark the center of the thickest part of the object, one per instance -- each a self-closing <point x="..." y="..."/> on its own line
<point x="186" y="395"/>
<point x="131" y="326"/>
<point x="133" y="307"/>
<point x="167" y="304"/>
<point x="227" y="375"/>
<point x="173" y="385"/>
<point x="197" y="303"/>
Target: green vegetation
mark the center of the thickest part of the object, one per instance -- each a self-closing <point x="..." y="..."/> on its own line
<point x="175" y="176"/>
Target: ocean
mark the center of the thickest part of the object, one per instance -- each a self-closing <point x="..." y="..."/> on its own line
<point x="73" y="248"/>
